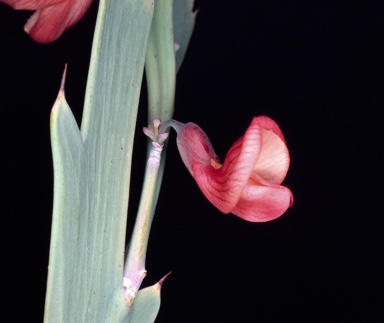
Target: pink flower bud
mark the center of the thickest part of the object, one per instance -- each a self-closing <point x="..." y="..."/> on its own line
<point x="248" y="182"/>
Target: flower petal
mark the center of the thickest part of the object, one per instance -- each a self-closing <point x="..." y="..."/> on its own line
<point x="268" y="124"/>
<point x="46" y="25"/>
<point x="248" y="183"/>
<point x="51" y="18"/>
<point x="260" y="202"/>
<point x="273" y="162"/>
<point x="31" y="4"/>
<point x="223" y="187"/>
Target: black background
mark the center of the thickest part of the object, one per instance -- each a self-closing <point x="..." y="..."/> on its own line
<point x="316" y="68"/>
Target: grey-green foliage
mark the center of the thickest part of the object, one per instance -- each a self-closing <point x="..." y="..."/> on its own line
<point x="92" y="166"/>
<point x="172" y="24"/>
<point x="146" y="305"/>
<point x="92" y="172"/>
<point x="183" y="23"/>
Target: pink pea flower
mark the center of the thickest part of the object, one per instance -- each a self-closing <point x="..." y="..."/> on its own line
<point x="248" y="182"/>
<point x="51" y="18"/>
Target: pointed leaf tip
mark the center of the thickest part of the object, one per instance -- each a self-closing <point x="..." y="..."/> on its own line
<point x="161" y="281"/>
<point x="63" y="78"/>
<point x="146" y="304"/>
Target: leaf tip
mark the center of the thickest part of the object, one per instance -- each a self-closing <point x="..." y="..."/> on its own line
<point x="161" y="281"/>
<point x="63" y="78"/>
<point x="61" y="95"/>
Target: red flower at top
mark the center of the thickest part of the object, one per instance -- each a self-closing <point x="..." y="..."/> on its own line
<point x="248" y="182"/>
<point x="51" y="18"/>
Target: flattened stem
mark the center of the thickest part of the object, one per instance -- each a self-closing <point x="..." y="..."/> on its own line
<point x="134" y="271"/>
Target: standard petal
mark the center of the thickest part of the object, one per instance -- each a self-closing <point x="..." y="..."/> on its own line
<point x="48" y="24"/>
<point x="273" y="162"/>
<point x="223" y="187"/>
<point x="268" y="124"/>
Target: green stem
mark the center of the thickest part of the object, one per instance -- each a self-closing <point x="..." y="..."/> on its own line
<point x="161" y="82"/>
<point x="134" y="271"/>
<point x="160" y="69"/>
